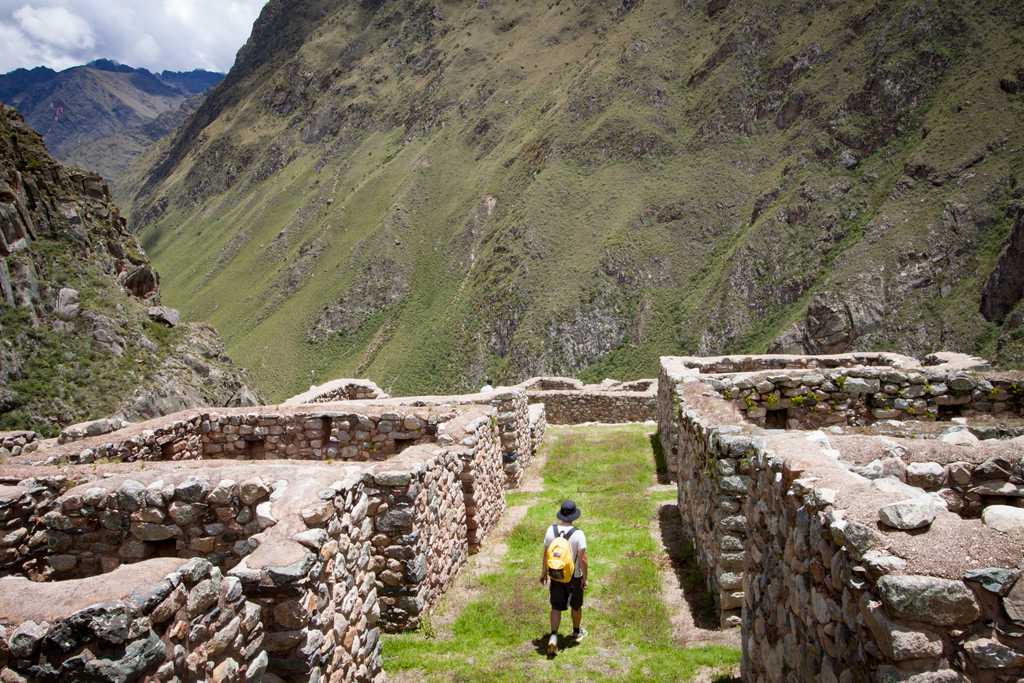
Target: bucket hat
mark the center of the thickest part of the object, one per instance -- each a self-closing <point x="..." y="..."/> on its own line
<point x="568" y="511"/>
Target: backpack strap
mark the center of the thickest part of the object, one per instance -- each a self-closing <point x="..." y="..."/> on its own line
<point x="569" y="533"/>
<point x="554" y="530"/>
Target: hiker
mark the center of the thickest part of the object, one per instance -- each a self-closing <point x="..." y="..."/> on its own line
<point x="487" y="387"/>
<point x="564" y="564"/>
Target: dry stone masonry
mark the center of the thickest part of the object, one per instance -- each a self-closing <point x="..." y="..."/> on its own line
<point x="281" y="539"/>
<point x="886" y="546"/>
<point x="569" y="401"/>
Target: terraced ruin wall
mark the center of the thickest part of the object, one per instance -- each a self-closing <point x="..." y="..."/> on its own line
<point x="328" y="552"/>
<point x="170" y="619"/>
<point x="829" y="597"/>
<point x="569" y="401"/>
<point x="819" y="398"/>
<point x="852" y="557"/>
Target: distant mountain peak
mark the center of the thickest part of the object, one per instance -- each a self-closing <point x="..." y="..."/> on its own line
<point x="104" y="114"/>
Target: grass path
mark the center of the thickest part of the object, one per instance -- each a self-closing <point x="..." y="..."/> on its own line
<point x="491" y="628"/>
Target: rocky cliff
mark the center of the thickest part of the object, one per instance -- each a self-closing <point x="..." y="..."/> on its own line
<point x="103" y="115"/>
<point x="82" y="334"/>
<point x="429" y="192"/>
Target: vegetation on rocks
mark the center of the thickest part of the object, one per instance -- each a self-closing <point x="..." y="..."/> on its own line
<point x="77" y="338"/>
<point x="432" y="193"/>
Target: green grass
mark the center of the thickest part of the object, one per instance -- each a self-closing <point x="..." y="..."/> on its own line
<point x="607" y="471"/>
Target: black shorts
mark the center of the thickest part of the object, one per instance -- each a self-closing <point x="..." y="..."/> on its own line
<point x="564" y="595"/>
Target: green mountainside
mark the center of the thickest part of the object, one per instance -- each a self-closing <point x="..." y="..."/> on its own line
<point x="103" y="115"/>
<point x="429" y="193"/>
<point x="81" y="333"/>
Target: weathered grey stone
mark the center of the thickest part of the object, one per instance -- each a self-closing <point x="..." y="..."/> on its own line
<point x="997" y="580"/>
<point x="131" y="495"/>
<point x="254" y="672"/>
<point x="928" y="599"/>
<point x="861" y="385"/>
<point x="164" y="315"/>
<point x="1004" y="518"/>
<point x="959" y="436"/>
<point x="154" y="532"/>
<point x="1013" y="603"/>
<point x="253" y="490"/>
<point x="191" y="490"/>
<point x="927" y="475"/>
<point x="202" y="596"/>
<point x="899" y="641"/>
<point x="987" y="653"/>
<point x="916" y="513"/>
<point x="392" y="478"/>
<point x="26" y="636"/>
<point x="67" y="306"/>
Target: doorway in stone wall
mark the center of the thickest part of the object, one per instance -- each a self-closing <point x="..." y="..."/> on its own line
<point x="776" y="419"/>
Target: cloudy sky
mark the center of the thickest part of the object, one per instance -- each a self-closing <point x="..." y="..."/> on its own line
<point x="156" y="34"/>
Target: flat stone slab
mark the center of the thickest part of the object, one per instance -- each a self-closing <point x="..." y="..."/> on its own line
<point x="58" y="599"/>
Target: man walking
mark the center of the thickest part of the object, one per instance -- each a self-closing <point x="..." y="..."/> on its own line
<point x="564" y="564"/>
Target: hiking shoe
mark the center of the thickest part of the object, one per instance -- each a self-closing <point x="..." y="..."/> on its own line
<point x="579" y="635"/>
<point x="552" y="644"/>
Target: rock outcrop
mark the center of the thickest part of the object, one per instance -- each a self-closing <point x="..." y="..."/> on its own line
<point x="75" y="338"/>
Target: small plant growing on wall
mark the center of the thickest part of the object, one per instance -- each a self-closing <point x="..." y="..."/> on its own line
<point x="841" y="381"/>
<point x="751" y="403"/>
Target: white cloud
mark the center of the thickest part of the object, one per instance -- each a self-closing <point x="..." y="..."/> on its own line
<point x="56" y="26"/>
<point x="155" y="34"/>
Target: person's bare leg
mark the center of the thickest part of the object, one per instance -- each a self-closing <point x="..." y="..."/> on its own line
<point x="556" y="620"/>
<point x="577" y="617"/>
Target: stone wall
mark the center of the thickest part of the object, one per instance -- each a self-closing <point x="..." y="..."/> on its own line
<point x="163" y="620"/>
<point x="14" y="443"/>
<point x="832" y="595"/>
<point x="22" y="503"/>
<point x="849" y="557"/>
<point x="296" y="537"/>
<point x="669" y="386"/>
<point x="419" y="532"/>
<point x="482" y="477"/>
<point x="713" y="474"/>
<point x="316" y="434"/>
<point x="820" y="398"/>
<point x="100" y="525"/>
<point x="341" y="431"/>
<point x="343" y="389"/>
<point x="538" y="426"/>
<point x="328" y="551"/>
<point x="511" y="420"/>
<point x="316" y="587"/>
<point x="569" y="401"/>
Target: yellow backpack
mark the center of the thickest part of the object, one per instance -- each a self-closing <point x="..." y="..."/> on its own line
<point x="559" y="557"/>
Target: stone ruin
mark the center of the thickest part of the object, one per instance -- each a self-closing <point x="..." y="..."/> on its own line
<point x="570" y="401"/>
<point x="242" y="544"/>
<point x="859" y="516"/>
<point x="267" y="543"/>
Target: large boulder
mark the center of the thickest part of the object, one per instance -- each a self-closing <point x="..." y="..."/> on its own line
<point x="164" y="315"/>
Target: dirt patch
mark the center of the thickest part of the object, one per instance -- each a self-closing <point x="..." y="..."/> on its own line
<point x="690" y="607"/>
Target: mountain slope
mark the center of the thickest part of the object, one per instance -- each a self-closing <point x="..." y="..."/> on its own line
<point x="78" y="339"/>
<point x="103" y="115"/>
<point x="426" y="193"/>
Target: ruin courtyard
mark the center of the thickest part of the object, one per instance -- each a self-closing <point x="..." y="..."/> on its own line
<point x="855" y="517"/>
